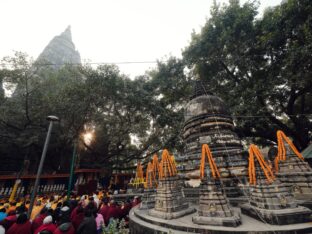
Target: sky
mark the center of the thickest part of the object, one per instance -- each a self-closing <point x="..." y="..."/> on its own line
<point x="107" y="30"/>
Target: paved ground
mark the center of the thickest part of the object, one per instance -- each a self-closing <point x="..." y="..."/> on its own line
<point x="185" y="225"/>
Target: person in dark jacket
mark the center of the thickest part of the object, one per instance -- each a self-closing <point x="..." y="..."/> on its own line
<point x="88" y="225"/>
<point x="65" y="228"/>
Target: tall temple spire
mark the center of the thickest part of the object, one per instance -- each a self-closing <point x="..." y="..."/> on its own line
<point x="60" y="51"/>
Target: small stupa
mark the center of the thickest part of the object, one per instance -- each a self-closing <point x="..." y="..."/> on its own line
<point x="292" y="170"/>
<point x="169" y="202"/>
<point x="148" y="200"/>
<point x="270" y="201"/>
<point x="214" y="208"/>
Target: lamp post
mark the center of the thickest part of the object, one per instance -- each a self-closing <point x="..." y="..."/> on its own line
<point x="72" y="170"/>
<point x="51" y="119"/>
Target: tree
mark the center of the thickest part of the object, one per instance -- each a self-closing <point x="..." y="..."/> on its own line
<point x="260" y="67"/>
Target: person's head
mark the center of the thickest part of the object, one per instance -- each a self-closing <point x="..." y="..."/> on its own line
<point x="66" y="203"/>
<point x="21" y="209"/>
<point x="13" y="203"/>
<point x="48" y="219"/>
<point x="80" y="209"/>
<point x="45" y="232"/>
<point x="88" y="212"/>
<point x="105" y="200"/>
<point x="91" y="206"/>
<point x="22" y="218"/>
<point x="44" y="210"/>
<point x="59" y="204"/>
<point x="52" y="199"/>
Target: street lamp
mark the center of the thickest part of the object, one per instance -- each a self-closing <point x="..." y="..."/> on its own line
<point x="51" y="119"/>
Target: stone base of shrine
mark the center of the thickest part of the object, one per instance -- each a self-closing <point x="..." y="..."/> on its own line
<point x="232" y="221"/>
<point x="142" y="222"/>
<point x="171" y="215"/>
<point x="278" y="217"/>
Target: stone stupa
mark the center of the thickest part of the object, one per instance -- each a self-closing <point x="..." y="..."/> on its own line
<point x="214" y="208"/>
<point x="270" y="201"/>
<point x="292" y="170"/>
<point x="169" y="201"/>
<point x="207" y="121"/>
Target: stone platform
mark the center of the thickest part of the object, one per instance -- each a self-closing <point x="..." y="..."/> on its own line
<point x="142" y="222"/>
<point x="123" y="197"/>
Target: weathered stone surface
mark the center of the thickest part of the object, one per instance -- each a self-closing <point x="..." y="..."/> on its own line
<point x="214" y="208"/>
<point x="148" y="199"/>
<point x="272" y="203"/>
<point x="296" y="174"/>
<point x="169" y="201"/>
<point x="59" y="51"/>
<point x="142" y="222"/>
<point x="207" y="121"/>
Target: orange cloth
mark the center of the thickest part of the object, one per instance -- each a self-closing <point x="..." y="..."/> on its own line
<point x="36" y="210"/>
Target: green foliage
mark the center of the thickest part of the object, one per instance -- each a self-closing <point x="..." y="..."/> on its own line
<point x="260" y="67"/>
<point x="116" y="109"/>
<point x="116" y="227"/>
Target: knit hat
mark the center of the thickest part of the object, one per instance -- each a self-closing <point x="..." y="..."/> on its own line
<point x="47" y="219"/>
<point x="65" y="208"/>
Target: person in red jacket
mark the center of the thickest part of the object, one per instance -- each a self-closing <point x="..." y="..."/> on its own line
<point x="78" y="218"/>
<point x="22" y="226"/>
<point x="104" y="210"/>
<point x="38" y="221"/>
<point x="113" y="212"/>
<point x="47" y="225"/>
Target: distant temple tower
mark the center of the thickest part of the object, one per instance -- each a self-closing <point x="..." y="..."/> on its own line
<point x="59" y="51"/>
<point x="207" y="121"/>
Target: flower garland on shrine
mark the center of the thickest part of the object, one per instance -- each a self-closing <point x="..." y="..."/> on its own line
<point x="150" y="179"/>
<point x="213" y="167"/>
<point x="281" y="153"/>
<point x="166" y="166"/>
<point x="254" y="152"/>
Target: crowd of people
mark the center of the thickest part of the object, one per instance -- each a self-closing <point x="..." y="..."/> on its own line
<point x="58" y="215"/>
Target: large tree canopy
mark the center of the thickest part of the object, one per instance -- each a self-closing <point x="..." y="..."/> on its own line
<point x="128" y="119"/>
<point x="260" y="67"/>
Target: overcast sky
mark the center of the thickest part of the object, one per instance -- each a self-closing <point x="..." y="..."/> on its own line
<point x="106" y="30"/>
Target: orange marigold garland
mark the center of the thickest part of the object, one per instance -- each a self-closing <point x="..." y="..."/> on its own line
<point x="213" y="167"/>
<point x="150" y="176"/>
<point x="255" y="152"/>
<point x="281" y="153"/>
<point x="167" y="166"/>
